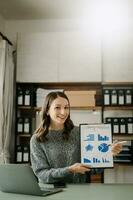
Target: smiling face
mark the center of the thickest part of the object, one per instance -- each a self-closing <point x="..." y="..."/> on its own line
<point x="59" y="111"/>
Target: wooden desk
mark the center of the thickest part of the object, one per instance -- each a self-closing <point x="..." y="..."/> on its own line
<point x="82" y="192"/>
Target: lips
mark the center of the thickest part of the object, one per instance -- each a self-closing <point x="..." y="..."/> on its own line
<point x="62" y="118"/>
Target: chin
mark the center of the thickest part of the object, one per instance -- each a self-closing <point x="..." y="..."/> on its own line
<point x="61" y="122"/>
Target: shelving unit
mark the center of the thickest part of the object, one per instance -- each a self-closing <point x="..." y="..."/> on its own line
<point x="26" y="107"/>
<point x="118" y="111"/>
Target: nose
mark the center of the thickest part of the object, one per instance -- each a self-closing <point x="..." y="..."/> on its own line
<point x="62" y="111"/>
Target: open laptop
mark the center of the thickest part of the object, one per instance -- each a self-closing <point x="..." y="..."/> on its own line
<point x="18" y="178"/>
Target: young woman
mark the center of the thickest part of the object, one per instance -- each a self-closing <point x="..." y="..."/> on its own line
<point x="55" y="146"/>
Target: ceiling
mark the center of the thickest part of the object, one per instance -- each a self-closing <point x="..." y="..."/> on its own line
<point x="42" y="9"/>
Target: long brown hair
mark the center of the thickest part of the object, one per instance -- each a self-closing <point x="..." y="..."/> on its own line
<point x="43" y="129"/>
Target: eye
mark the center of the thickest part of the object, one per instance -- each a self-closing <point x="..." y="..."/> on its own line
<point x="57" y="107"/>
<point x="66" y="108"/>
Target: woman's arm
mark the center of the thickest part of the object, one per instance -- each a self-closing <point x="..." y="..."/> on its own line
<point x="41" y="167"/>
<point x="116" y="147"/>
<point x="43" y="170"/>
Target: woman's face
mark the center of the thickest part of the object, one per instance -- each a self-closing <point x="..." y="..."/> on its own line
<point x="58" y="111"/>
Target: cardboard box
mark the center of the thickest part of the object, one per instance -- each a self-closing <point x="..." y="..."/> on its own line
<point x="81" y="98"/>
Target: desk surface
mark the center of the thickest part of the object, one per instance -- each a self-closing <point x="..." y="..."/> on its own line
<point x="82" y="192"/>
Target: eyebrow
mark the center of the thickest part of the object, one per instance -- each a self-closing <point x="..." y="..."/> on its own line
<point x="60" y="105"/>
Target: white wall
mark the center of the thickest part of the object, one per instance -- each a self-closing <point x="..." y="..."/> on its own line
<point x="33" y="26"/>
<point x="2" y="24"/>
<point x="58" y="57"/>
<point x="67" y="39"/>
<point x="116" y="43"/>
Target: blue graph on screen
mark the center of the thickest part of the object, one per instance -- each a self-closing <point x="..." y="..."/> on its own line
<point x="103" y="138"/>
<point x="86" y="160"/>
<point x="89" y="137"/>
<point x="89" y="147"/>
<point x="103" y="147"/>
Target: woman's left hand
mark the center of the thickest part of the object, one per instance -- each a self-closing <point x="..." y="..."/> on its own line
<point x="116" y="147"/>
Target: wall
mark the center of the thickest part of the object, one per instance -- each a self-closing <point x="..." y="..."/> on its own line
<point x="2" y="24"/>
<point x="116" y="41"/>
<point x="32" y="26"/>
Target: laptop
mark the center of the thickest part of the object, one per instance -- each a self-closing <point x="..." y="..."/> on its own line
<point x="18" y="178"/>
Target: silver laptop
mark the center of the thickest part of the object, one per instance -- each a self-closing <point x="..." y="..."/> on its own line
<point x="17" y="178"/>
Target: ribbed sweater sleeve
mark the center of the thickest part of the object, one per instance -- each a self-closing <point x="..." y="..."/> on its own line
<point x="40" y="164"/>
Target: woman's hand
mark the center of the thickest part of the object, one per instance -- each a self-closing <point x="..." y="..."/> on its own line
<point x="79" y="168"/>
<point x="116" y="147"/>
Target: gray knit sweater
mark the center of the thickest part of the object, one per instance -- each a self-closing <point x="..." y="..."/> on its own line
<point x="50" y="160"/>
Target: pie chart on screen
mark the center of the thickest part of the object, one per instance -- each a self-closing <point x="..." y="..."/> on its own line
<point x="103" y="147"/>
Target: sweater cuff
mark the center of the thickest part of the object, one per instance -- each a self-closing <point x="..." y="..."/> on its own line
<point x="66" y="171"/>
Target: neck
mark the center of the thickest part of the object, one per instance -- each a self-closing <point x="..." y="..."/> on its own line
<point x="55" y="127"/>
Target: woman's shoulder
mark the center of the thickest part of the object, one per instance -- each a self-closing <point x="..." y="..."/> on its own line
<point x="75" y="134"/>
<point x="75" y="130"/>
<point x="33" y="138"/>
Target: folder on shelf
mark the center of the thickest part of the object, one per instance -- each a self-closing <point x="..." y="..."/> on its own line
<point x="116" y="125"/>
<point x="26" y="154"/>
<point x="106" y="95"/>
<point x="123" y="125"/>
<point x="27" y="125"/>
<point x="20" y="97"/>
<point x="114" y="97"/>
<point x="130" y="125"/>
<point x="128" y="96"/>
<point x="19" y="153"/>
<point x="121" y="97"/>
<point x="20" y="125"/>
<point x="27" y="97"/>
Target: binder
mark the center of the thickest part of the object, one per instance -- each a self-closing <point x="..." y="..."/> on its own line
<point x="27" y="125"/>
<point x="114" y="97"/>
<point x="27" y="97"/>
<point x="106" y="93"/>
<point x="108" y="120"/>
<point x="20" y="125"/>
<point x="121" y="97"/>
<point x="26" y="154"/>
<point x="20" y="99"/>
<point x="123" y="125"/>
<point x="128" y="96"/>
<point x="115" y="125"/>
<point x="19" y="156"/>
<point x="130" y="125"/>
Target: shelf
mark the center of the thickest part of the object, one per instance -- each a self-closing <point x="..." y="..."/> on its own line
<point x="123" y="137"/>
<point x="23" y="135"/>
<point x="77" y="108"/>
<point x="84" y="108"/>
<point x="117" y="108"/>
<point x="63" y="85"/>
<point x="117" y="84"/>
<point x="87" y="108"/>
<point x="24" y="107"/>
<point x="122" y="164"/>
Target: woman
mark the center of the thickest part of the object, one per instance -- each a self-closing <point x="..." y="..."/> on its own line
<point x="55" y="146"/>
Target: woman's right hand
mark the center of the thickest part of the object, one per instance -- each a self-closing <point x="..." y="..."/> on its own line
<point x="79" y="168"/>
